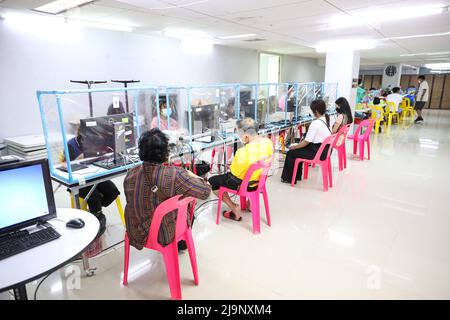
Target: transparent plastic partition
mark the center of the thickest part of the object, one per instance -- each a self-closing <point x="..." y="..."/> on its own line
<point x="247" y="107"/>
<point x="306" y="95"/>
<point x="102" y="139"/>
<point x="227" y="106"/>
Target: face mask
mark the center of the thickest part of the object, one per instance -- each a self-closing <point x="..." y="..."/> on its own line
<point x="164" y="112"/>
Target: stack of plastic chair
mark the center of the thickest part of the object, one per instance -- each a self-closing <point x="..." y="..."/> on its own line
<point x="407" y="108"/>
<point x="339" y="145"/>
<point x="391" y="112"/>
<point x="253" y="195"/>
<point x="327" y="177"/>
<point x="361" y="138"/>
<point x="378" y="116"/>
<point x="169" y="252"/>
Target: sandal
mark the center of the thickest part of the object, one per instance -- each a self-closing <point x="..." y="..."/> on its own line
<point x="230" y="215"/>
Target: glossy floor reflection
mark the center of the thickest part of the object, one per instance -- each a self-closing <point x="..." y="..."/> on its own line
<point x="380" y="233"/>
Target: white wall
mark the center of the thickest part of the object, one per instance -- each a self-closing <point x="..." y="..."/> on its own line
<point x="41" y="61"/>
<point x="301" y="69"/>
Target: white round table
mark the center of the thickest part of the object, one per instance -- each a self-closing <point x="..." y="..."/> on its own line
<point x="20" y="269"/>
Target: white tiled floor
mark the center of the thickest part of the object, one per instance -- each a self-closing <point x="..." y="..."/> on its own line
<point x="382" y="232"/>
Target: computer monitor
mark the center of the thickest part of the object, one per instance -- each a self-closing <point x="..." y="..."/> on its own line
<point x="98" y="135"/>
<point x="247" y="106"/>
<point x="26" y="195"/>
<point x="204" y="118"/>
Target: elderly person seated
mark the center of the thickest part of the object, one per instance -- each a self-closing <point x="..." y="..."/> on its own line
<point x="255" y="148"/>
<point x="153" y="182"/>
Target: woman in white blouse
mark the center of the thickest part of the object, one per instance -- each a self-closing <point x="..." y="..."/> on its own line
<point x="318" y="131"/>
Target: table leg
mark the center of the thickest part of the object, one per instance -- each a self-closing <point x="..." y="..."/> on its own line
<point x="87" y="269"/>
<point x="20" y="293"/>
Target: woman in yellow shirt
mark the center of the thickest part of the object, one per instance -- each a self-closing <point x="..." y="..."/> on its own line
<point x="255" y="148"/>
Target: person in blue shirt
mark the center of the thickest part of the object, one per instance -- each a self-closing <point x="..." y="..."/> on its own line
<point x="103" y="195"/>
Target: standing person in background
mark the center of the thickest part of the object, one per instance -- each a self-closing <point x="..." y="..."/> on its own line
<point x="422" y="97"/>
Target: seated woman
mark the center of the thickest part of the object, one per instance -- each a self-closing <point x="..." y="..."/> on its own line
<point x="150" y="184"/>
<point x="344" y="114"/>
<point x="318" y="131"/>
<point x="103" y="195"/>
<point x="163" y="119"/>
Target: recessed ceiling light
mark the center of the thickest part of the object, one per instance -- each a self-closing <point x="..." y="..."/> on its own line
<point x="438" y="66"/>
<point x="426" y="35"/>
<point x="60" y="6"/>
<point x="443" y="53"/>
<point x="239" y="36"/>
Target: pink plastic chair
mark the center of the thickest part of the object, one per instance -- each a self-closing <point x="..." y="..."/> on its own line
<point x="170" y="252"/>
<point x="221" y="151"/>
<point x="253" y="195"/>
<point x="341" y="149"/>
<point x="325" y="164"/>
<point x="359" y="138"/>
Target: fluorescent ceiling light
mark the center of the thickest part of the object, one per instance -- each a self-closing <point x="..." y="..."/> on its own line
<point x="100" y="25"/>
<point x="442" y="53"/>
<point x="345" y="45"/>
<point x="59" y="6"/>
<point x="239" y="36"/>
<point x="438" y="66"/>
<point x="440" y="72"/>
<point x="375" y="16"/>
<point x="426" y="35"/>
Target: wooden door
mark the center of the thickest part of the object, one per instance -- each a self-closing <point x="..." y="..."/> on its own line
<point x="445" y="104"/>
<point x="436" y="90"/>
<point x="376" y="82"/>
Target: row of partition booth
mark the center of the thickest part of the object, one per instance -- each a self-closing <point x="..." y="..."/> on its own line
<point x="108" y="121"/>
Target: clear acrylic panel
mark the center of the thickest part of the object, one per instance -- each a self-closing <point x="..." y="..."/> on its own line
<point x="92" y="129"/>
<point x="247" y="101"/>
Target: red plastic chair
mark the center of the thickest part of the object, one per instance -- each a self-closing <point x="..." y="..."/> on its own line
<point x="360" y="138"/>
<point x="324" y="164"/>
<point x="253" y="195"/>
<point x="170" y="252"/>
<point x="339" y="145"/>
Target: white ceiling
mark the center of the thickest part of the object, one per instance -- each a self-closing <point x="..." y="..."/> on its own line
<point x="287" y="26"/>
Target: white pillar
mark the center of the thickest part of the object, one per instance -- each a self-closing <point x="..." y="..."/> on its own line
<point x="342" y="68"/>
<point x="392" y="73"/>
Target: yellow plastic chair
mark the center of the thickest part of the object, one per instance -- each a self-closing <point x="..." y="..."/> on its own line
<point x="378" y="116"/>
<point x="407" y="108"/>
<point x="391" y="112"/>
<point x="84" y="206"/>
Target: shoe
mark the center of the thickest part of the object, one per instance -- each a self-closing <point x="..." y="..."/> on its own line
<point x="418" y="119"/>
<point x="102" y="220"/>
<point x="285" y="181"/>
<point x="182" y="245"/>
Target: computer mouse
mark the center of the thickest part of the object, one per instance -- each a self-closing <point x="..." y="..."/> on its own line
<point x="76" y="223"/>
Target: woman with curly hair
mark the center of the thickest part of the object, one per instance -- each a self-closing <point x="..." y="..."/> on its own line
<point x="152" y="183"/>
